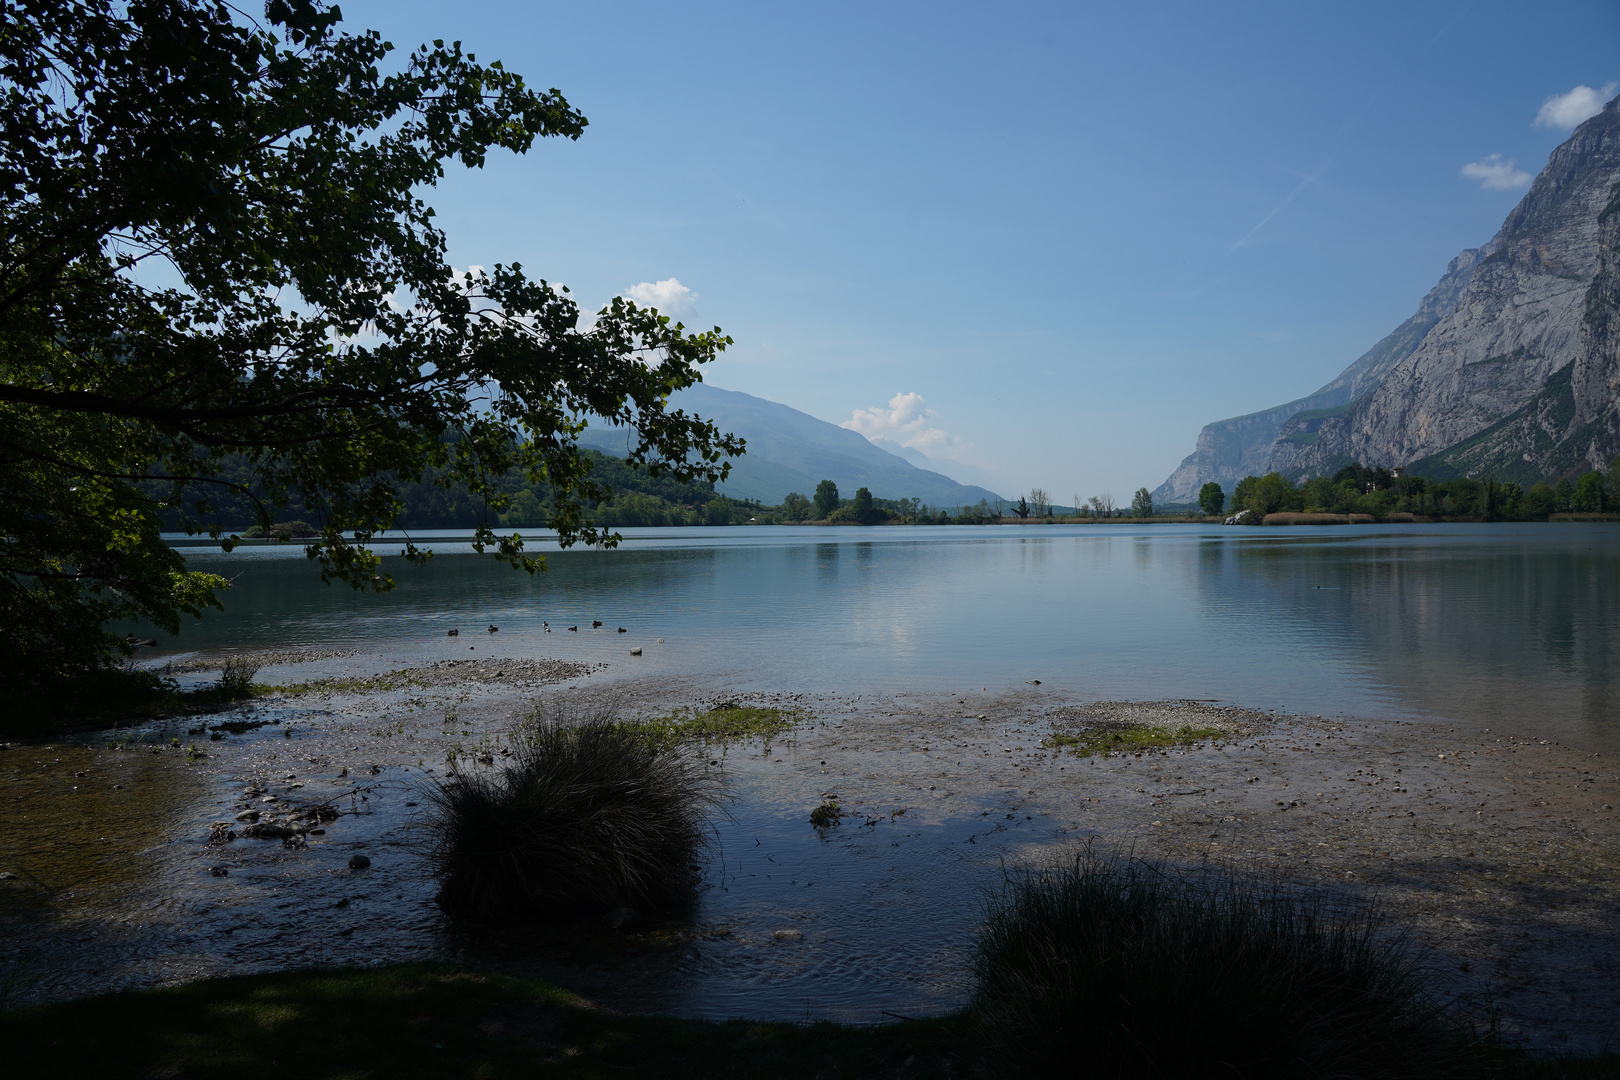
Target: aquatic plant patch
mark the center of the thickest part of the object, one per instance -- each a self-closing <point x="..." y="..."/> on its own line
<point x="722" y="724"/>
<point x="1129" y="739"/>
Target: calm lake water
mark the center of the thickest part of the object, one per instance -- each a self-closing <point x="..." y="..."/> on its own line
<point x="1511" y="625"/>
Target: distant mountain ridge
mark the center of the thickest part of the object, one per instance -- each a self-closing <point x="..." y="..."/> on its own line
<point x="1480" y="379"/>
<point x="788" y="450"/>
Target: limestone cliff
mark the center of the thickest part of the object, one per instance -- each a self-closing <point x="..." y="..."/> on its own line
<point x="1518" y="322"/>
<point x="1229" y="450"/>
<point x="1573" y="423"/>
<point x="1483" y="378"/>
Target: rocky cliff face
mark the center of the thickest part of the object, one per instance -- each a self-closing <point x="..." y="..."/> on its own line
<point x="1484" y="376"/>
<point x="1229" y="450"/>
<point x="1519" y="321"/>
<point x="1573" y="423"/>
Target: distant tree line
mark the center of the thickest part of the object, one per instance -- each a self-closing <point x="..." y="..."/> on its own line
<point x="1379" y="492"/>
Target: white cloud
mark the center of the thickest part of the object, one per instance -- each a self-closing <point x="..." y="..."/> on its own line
<point x="1494" y="174"/>
<point x="908" y="421"/>
<point x="669" y="296"/>
<point x="1564" y="111"/>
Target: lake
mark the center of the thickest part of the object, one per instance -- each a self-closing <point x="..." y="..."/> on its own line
<point x="1514" y="625"/>
<point x="1510" y="627"/>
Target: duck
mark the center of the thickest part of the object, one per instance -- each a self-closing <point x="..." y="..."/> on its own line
<point x="573" y="628"/>
<point x="452" y="633"/>
<point x="622" y="630"/>
<point x="596" y="623"/>
<point x="493" y="628"/>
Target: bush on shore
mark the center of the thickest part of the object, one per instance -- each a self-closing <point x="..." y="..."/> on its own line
<point x="585" y="817"/>
<point x="1115" y="968"/>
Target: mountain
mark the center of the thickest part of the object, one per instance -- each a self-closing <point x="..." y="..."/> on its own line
<point x="788" y="450"/>
<point x="911" y="454"/>
<point x="955" y="470"/>
<point x="1573" y="422"/>
<point x="1229" y="450"/>
<point x="1480" y="379"/>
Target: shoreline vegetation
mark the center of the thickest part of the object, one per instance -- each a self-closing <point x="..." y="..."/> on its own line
<point x="1352" y="496"/>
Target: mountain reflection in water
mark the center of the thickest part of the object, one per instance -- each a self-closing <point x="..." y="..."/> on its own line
<point x="1484" y="625"/>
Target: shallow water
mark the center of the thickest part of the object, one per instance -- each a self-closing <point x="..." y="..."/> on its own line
<point x="1513" y="625"/>
<point x="1508" y="626"/>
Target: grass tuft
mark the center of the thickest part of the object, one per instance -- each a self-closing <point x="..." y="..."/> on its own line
<point x="1117" y="963"/>
<point x="584" y="817"/>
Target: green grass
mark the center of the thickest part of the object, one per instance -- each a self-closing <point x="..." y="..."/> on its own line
<point x="426" y="1020"/>
<point x="1128" y="740"/>
<point x="729" y="723"/>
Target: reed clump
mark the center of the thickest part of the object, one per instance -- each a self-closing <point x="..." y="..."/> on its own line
<point x="585" y="816"/>
<point x="1115" y="967"/>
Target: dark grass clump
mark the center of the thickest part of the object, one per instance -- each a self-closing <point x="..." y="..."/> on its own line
<point x="583" y="817"/>
<point x="1114" y="967"/>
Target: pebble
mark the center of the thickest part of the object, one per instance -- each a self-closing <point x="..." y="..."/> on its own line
<point x="248" y="815"/>
<point x="787" y="935"/>
<point x="218" y="871"/>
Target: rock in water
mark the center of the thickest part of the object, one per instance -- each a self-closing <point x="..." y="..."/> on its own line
<point x="358" y="862"/>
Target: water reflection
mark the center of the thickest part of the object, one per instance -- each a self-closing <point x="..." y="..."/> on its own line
<point x="1480" y="624"/>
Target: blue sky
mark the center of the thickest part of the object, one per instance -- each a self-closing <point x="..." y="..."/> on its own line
<point x="1073" y="234"/>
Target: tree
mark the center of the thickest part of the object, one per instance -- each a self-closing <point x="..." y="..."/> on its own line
<point x="1142" y="503"/>
<point x="1022" y="509"/>
<point x="1040" y="502"/>
<point x="1612" y="483"/>
<point x="826" y="499"/>
<point x="1563" y="494"/>
<point x="1540" y="501"/>
<point x="216" y="248"/>
<point x="795" y="507"/>
<point x="864" y="511"/>
<point x="1211" y="498"/>
<point x="1266" y="494"/>
<point x="1102" y="505"/>
<point x="1588" y="494"/>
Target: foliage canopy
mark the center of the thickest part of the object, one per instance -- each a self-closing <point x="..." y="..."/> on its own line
<point x="215" y="246"/>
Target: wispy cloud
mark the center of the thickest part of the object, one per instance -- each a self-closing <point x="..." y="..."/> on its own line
<point x="669" y="296"/>
<point x="1564" y="111"/>
<point x="908" y="421"/>
<point x="1494" y="174"/>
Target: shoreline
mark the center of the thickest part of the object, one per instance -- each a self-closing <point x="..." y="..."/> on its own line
<point x="1497" y="852"/>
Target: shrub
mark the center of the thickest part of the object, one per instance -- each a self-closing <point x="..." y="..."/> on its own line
<point x="1113" y="967"/>
<point x="236" y="676"/>
<point x="585" y="817"/>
